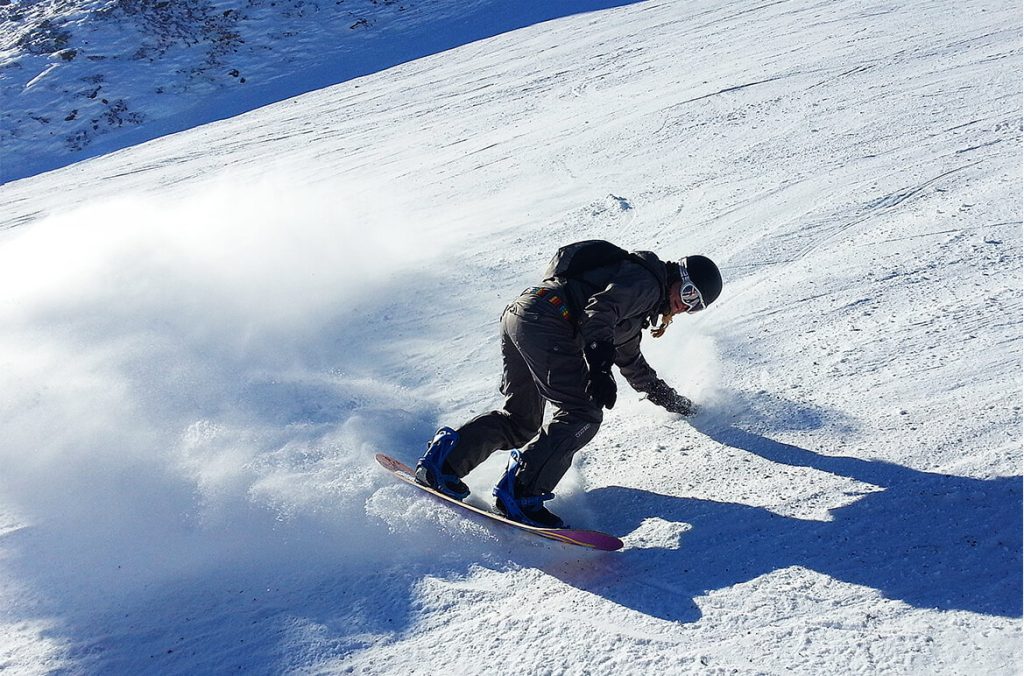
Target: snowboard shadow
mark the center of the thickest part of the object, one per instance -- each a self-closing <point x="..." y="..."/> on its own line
<point x="930" y="540"/>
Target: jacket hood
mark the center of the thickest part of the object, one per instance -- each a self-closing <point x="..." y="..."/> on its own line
<point x="659" y="269"/>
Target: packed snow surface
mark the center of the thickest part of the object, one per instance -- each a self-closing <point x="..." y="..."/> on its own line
<point x="205" y="339"/>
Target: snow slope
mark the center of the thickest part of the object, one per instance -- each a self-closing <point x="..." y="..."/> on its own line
<point x="79" y="78"/>
<point x="206" y="338"/>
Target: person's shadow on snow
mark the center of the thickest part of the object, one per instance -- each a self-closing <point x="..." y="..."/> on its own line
<point x="930" y="540"/>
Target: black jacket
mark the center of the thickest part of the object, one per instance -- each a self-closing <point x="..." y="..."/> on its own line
<point x="615" y="303"/>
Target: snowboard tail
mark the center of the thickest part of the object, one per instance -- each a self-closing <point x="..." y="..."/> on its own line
<point x="591" y="539"/>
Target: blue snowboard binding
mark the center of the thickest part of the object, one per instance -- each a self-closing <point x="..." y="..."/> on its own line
<point x="433" y="469"/>
<point x="528" y="509"/>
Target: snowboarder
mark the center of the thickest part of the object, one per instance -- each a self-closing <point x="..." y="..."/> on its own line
<point x="558" y="343"/>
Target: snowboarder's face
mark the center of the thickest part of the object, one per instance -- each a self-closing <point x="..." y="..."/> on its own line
<point x="675" y="303"/>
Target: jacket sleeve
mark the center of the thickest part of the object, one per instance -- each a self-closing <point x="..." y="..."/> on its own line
<point x="632" y="292"/>
<point x="634" y="368"/>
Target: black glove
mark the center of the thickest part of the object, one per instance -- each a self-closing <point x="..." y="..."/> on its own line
<point x="670" y="400"/>
<point x="601" y="387"/>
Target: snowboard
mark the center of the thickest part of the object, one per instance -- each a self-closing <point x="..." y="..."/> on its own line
<point x="571" y="536"/>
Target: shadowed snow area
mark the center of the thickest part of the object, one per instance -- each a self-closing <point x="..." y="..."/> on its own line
<point x="80" y="78"/>
<point x="206" y="337"/>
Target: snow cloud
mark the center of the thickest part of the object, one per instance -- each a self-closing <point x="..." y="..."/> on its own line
<point x="185" y="377"/>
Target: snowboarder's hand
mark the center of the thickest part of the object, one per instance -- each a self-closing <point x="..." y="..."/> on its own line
<point x="681" y="405"/>
<point x="670" y="400"/>
<point x="601" y="386"/>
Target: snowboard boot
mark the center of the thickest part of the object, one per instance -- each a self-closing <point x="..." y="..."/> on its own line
<point x="433" y="469"/>
<point x="511" y="502"/>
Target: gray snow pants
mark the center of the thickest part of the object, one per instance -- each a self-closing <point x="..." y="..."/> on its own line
<point x="543" y="361"/>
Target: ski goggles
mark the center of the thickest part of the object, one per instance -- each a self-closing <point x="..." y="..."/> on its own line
<point x="689" y="294"/>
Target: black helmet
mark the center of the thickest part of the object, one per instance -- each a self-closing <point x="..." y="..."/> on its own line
<point x="704" y="274"/>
